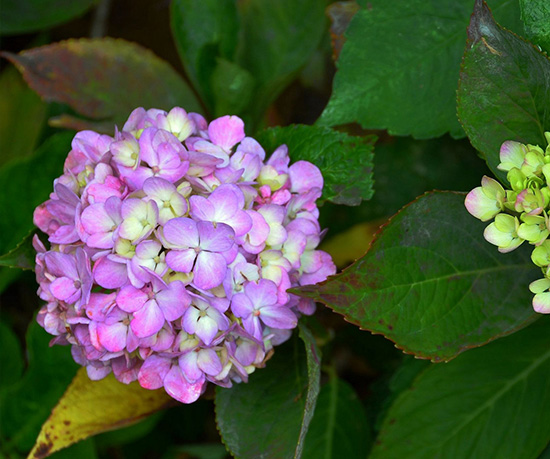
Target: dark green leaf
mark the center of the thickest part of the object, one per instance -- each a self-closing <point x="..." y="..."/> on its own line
<point x="11" y="357"/>
<point x="103" y="78"/>
<point x="232" y="87"/>
<point x="339" y="427"/>
<point x="197" y="451"/>
<point x="266" y="416"/>
<point x="204" y="31"/>
<point x="344" y="161"/>
<point x="490" y="402"/>
<point x="278" y="38"/>
<point x="23" y="188"/>
<point x="432" y="284"/>
<point x="24" y="16"/>
<point x="82" y="450"/>
<point x="536" y="18"/>
<point x="22" y="116"/>
<point x="313" y="357"/>
<point x="504" y="91"/>
<point x="26" y="405"/>
<point x="22" y="256"/>
<point x="399" y="66"/>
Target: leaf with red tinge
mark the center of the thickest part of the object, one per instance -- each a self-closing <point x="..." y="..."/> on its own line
<point x="103" y="78"/>
<point x="504" y="90"/>
<point x="22" y="256"/>
<point x="432" y="284"/>
<point x="90" y="407"/>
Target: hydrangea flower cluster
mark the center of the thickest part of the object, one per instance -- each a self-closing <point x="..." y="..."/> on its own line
<point x="173" y="245"/>
<point x="520" y="214"/>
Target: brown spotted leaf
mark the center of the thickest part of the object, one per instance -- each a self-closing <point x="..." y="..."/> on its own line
<point x="90" y="407"/>
<point x="103" y="78"/>
<point x="432" y="284"/>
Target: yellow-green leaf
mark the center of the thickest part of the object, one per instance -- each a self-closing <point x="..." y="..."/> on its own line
<point x="90" y="407"/>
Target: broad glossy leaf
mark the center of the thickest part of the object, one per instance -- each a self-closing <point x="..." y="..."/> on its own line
<point x="23" y="188"/>
<point x="339" y="427"/>
<point x="25" y="405"/>
<point x="435" y="164"/>
<point x="89" y="407"/>
<point x="345" y="161"/>
<point x="399" y="66"/>
<point x="103" y="78"/>
<point x="432" y="284"/>
<point x="536" y="18"/>
<point x="504" y="91"/>
<point x="266" y="416"/>
<point x="204" y="31"/>
<point x="232" y="88"/>
<point x="24" y="16"/>
<point x="22" y="116"/>
<point x="490" y="402"/>
<point x="22" y="256"/>
<point x="278" y="39"/>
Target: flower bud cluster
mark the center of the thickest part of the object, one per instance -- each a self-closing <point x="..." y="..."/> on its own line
<point x="173" y="245"/>
<point x="521" y="213"/>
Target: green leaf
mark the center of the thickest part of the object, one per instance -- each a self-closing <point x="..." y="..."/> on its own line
<point x="89" y="407"/>
<point x="345" y="161"/>
<point x="232" y="88"/>
<point x="267" y="417"/>
<point x="432" y="284"/>
<point x="22" y="116"/>
<point x="23" y="188"/>
<point x="339" y="427"/>
<point x="103" y="78"/>
<point x="278" y="38"/>
<point x="204" y="31"/>
<point x="24" y="16"/>
<point x="536" y="18"/>
<point x="22" y="256"/>
<point x="436" y="164"/>
<point x="490" y="402"/>
<point x="27" y="404"/>
<point x="83" y="450"/>
<point x="504" y="91"/>
<point x="399" y="66"/>
<point x="11" y="357"/>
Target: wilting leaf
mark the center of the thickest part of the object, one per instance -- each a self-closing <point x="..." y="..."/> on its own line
<point x="90" y="407"/>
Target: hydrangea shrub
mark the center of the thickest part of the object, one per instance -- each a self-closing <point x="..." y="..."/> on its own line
<point x="173" y="245"/>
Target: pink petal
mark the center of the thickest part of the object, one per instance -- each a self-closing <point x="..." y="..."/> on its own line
<point x="209" y="270"/>
<point x="181" y="233"/>
<point x="177" y="387"/>
<point x="217" y="238"/>
<point x="131" y="299"/>
<point x="110" y="274"/>
<point x="304" y="176"/>
<point x="173" y="300"/>
<point x="63" y="288"/>
<point x="209" y="362"/>
<point x="278" y="317"/>
<point x="226" y="131"/>
<point x="148" y="320"/>
<point x="112" y="337"/>
<point x="153" y="371"/>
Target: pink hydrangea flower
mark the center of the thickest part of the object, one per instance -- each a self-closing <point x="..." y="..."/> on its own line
<point x="172" y="247"/>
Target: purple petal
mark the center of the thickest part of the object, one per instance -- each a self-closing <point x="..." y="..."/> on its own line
<point x="181" y="260"/>
<point x="241" y="305"/>
<point x="148" y="320"/>
<point x="177" y="387"/>
<point x="209" y="362"/>
<point x="189" y="367"/>
<point x="61" y="264"/>
<point x="190" y="320"/>
<point x="63" y="288"/>
<point x="209" y="270"/>
<point x="264" y="293"/>
<point x="304" y="176"/>
<point x="201" y="209"/>
<point x="253" y="326"/>
<point x="173" y="300"/>
<point x="217" y="238"/>
<point x="278" y="317"/>
<point x="181" y="233"/>
<point x="110" y="274"/>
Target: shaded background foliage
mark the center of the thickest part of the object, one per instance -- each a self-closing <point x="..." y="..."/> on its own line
<point x="345" y="392"/>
